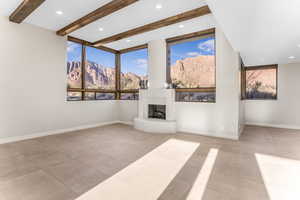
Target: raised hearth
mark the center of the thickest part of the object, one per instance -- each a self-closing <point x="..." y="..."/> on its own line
<point x="156" y="111"/>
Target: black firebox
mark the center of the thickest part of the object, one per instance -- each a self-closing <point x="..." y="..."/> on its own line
<point x="157" y="111"/>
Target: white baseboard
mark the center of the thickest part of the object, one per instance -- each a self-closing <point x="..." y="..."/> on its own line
<point x="196" y="132"/>
<point x="209" y="133"/>
<point x="273" y="125"/>
<point x="126" y="122"/>
<point x="53" y="132"/>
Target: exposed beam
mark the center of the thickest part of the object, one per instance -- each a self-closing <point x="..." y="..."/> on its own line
<point x="101" y="12"/>
<point x="80" y="41"/>
<point x="24" y="10"/>
<point x="191" y="35"/>
<point x="156" y="25"/>
<point x="143" y="46"/>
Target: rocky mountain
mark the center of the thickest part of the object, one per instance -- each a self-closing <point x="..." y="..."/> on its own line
<point x="194" y="72"/>
<point x="190" y="72"/>
<point x="74" y="74"/>
<point x="263" y="81"/>
<point x="97" y="74"/>
<point x="131" y="80"/>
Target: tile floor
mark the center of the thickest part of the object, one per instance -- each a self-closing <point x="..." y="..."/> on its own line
<point x="63" y="167"/>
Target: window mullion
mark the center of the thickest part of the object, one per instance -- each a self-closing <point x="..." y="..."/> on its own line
<point x="118" y="75"/>
<point x="83" y="63"/>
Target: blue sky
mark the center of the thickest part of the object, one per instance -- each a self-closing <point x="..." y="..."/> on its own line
<point x="192" y="49"/>
<point x="135" y="61"/>
<point x="74" y="52"/>
<point x="104" y="58"/>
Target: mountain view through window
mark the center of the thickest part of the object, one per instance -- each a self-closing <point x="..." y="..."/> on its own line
<point x="100" y="70"/>
<point x="261" y="83"/>
<point x="193" y="63"/>
<point x="192" y="67"/>
<point x="134" y="68"/>
<point x="74" y="52"/>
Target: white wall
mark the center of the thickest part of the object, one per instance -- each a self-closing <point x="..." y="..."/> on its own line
<point x="33" y="85"/>
<point x="196" y="117"/>
<point x="227" y="85"/>
<point x="283" y="112"/>
<point x="157" y="59"/>
<point x="215" y="119"/>
<point x="128" y="110"/>
<point x="33" y="89"/>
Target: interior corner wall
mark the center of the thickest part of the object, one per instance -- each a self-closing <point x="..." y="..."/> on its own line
<point x="128" y="110"/>
<point x="283" y="112"/>
<point x="33" y="85"/>
<point x="228" y="88"/>
<point x="221" y="119"/>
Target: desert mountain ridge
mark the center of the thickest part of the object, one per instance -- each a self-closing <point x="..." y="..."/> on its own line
<point x="190" y="72"/>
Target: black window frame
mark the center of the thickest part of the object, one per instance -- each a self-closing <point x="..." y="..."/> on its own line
<point x="186" y="38"/>
<point x="244" y="81"/>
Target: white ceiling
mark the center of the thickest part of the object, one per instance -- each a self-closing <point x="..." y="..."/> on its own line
<point x="138" y="14"/>
<point x="190" y="26"/>
<point x="263" y="31"/>
<point x="135" y="15"/>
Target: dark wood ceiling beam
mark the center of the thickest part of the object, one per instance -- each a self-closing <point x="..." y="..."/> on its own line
<point x="156" y="25"/>
<point x="86" y="43"/>
<point x="191" y="35"/>
<point x="101" y="12"/>
<point x="24" y="10"/>
<point x="135" y="48"/>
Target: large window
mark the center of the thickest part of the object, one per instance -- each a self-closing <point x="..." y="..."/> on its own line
<point x="134" y="68"/>
<point x="74" y="56"/>
<point x="101" y="73"/>
<point x="192" y="67"/>
<point x="91" y="72"/>
<point x="260" y="82"/>
<point x="100" y="70"/>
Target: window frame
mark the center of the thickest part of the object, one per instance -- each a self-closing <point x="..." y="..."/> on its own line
<point x="83" y="90"/>
<point x="186" y="38"/>
<point x="124" y="51"/>
<point x="117" y="91"/>
<point x="244" y="80"/>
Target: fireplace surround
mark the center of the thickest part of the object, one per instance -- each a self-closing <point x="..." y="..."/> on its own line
<point x="164" y="119"/>
<point x="156" y="111"/>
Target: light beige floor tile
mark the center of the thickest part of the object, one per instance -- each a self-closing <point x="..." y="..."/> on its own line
<point x="210" y="194"/>
<point x="177" y="190"/>
<point x="45" y="160"/>
<point x="82" y="159"/>
<point x="35" y="186"/>
<point x="78" y="176"/>
<point x="7" y="151"/>
<point x="12" y="167"/>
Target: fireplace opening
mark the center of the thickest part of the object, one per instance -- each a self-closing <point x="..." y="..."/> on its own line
<point x="157" y="111"/>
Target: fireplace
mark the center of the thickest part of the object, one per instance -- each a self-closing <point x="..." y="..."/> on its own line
<point x="157" y="111"/>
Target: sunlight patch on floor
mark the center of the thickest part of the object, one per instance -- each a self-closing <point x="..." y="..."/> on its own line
<point x="200" y="183"/>
<point x="148" y="177"/>
<point x="281" y="176"/>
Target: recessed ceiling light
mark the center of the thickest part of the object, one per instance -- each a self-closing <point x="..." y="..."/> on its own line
<point x="292" y="57"/>
<point x="298" y="45"/>
<point x="158" y="6"/>
<point x="128" y="40"/>
<point x="181" y="26"/>
<point x="101" y="29"/>
<point x="59" y="12"/>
